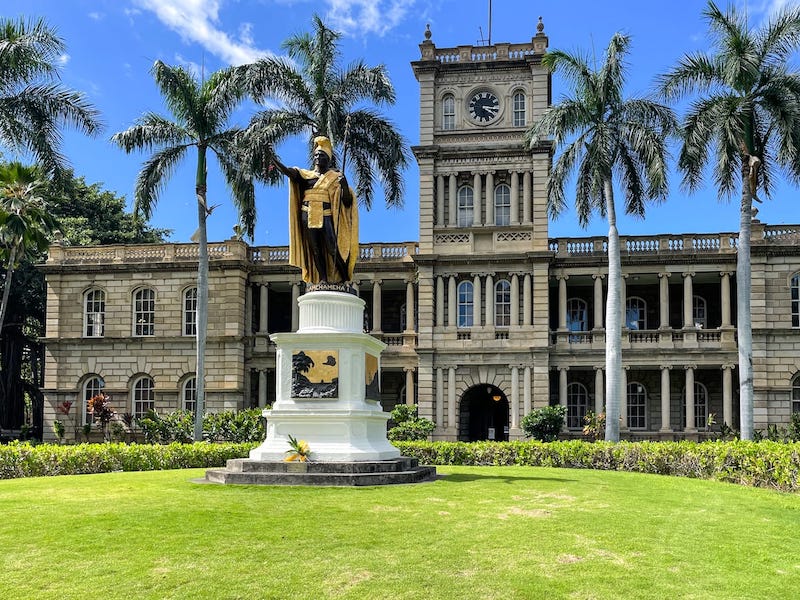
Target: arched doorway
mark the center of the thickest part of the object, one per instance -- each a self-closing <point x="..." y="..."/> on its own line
<point x="483" y="414"/>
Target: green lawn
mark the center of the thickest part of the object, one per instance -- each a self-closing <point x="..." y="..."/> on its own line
<point x="479" y="532"/>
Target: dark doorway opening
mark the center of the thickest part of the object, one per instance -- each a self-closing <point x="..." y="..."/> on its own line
<point x="484" y="414"/>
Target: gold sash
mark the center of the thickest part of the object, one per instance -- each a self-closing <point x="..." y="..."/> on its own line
<point x="315" y="198"/>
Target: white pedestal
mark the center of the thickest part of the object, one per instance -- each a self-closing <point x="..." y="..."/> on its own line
<point x="326" y="404"/>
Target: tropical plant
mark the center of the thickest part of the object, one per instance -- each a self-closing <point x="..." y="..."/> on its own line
<point x="299" y="450"/>
<point x="318" y="97"/>
<point x="408" y="426"/>
<point x="594" y="425"/>
<point x="201" y="112"/>
<point x="25" y="223"/>
<point x="544" y="423"/>
<point x="745" y="122"/>
<point x="33" y="104"/>
<point x="605" y="135"/>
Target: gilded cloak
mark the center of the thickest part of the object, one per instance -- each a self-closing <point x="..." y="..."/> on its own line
<point x="345" y="225"/>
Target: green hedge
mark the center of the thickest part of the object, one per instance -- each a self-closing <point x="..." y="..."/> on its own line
<point x="760" y="464"/>
<point x="22" y="459"/>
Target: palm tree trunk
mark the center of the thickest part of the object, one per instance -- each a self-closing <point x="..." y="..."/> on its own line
<point x="743" y="318"/>
<point x="7" y="287"/>
<point x="613" y="321"/>
<point x="202" y="292"/>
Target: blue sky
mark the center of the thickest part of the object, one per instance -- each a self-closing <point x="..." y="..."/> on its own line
<point x="111" y="45"/>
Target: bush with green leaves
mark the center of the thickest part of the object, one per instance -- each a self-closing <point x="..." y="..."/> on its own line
<point x="408" y="426"/>
<point x="759" y="464"/>
<point x="544" y="424"/>
<point x="230" y="426"/>
<point x="23" y="459"/>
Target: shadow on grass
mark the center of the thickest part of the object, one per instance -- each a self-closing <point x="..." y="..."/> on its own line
<point x="466" y="477"/>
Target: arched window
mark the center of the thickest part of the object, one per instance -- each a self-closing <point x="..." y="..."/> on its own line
<point x="448" y="112"/>
<point x="502" y="303"/>
<point x="502" y="204"/>
<point x="635" y="313"/>
<point x="190" y="311"/>
<point x="465" y="292"/>
<point x="796" y="394"/>
<point x="637" y="406"/>
<point x="465" y="218"/>
<point x="577" y="405"/>
<point x="91" y="388"/>
<point x="576" y="315"/>
<point x="699" y="313"/>
<point x="519" y="110"/>
<point x="189" y="394"/>
<point x="795" y="288"/>
<point x="144" y="397"/>
<point x="94" y="313"/>
<point x="700" y="406"/>
<point x="144" y="311"/>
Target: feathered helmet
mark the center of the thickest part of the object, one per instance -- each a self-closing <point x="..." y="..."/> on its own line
<point x="324" y="144"/>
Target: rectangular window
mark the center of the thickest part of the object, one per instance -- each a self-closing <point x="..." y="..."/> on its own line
<point x="190" y="312"/>
<point x="465" y="305"/>
<point x="519" y="110"/>
<point x="95" y="314"/>
<point x="448" y="113"/>
<point x="795" y="301"/>
<point x="144" y="312"/>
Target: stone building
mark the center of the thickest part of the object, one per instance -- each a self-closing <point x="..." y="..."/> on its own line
<point x="485" y="317"/>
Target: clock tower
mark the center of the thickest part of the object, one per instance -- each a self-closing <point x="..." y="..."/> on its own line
<point x="483" y="253"/>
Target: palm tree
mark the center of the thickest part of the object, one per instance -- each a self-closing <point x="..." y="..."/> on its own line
<point x="748" y="119"/>
<point x="201" y="112"/>
<point x="33" y="105"/>
<point x="25" y="223"/>
<point x="319" y="98"/>
<point x="612" y="136"/>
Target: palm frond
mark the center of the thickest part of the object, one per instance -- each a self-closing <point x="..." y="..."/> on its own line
<point x="238" y="180"/>
<point x="29" y="50"/>
<point x="152" y="131"/>
<point x="180" y="91"/>
<point x="153" y="177"/>
<point x="278" y="78"/>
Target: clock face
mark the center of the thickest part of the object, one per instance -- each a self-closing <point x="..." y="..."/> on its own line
<point x="484" y="106"/>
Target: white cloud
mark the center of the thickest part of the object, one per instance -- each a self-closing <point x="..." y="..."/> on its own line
<point x="63" y="59"/>
<point x="190" y="66"/>
<point x="359" y="17"/>
<point x="198" y="21"/>
<point x="96" y="16"/>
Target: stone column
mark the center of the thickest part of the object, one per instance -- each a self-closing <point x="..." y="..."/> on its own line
<point x="476" y="199"/>
<point x="527" y="305"/>
<point x="663" y="300"/>
<point x="515" y="397"/>
<point x="490" y="198"/>
<point x="410" y="396"/>
<point x="440" y="301"/>
<point x="598" y="301"/>
<point x="376" y="305"/>
<point x="562" y="385"/>
<point x="689" y="397"/>
<point x="526" y="390"/>
<point x="451" y="397"/>
<point x="665" y="398"/>
<point x="263" y="309"/>
<point x="526" y="198"/>
<point x="599" y="390"/>
<point x="489" y="300"/>
<point x="295" y="307"/>
<point x="439" y="397"/>
<point x="452" y="201"/>
<point x="514" y="198"/>
<point x="410" y="306"/>
<point x="262" y="388"/>
<point x="688" y="294"/>
<point x="440" y="200"/>
<point x="725" y="293"/>
<point x="452" y="302"/>
<point x="562" y="302"/>
<point x="248" y="309"/>
<point x="727" y="395"/>
<point x="515" y="299"/>
<point x="476" y="300"/>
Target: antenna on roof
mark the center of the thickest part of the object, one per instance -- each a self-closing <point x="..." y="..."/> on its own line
<point x="486" y="41"/>
<point x="490" y="22"/>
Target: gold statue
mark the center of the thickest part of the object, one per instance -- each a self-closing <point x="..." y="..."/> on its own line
<point x="323" y="219"/>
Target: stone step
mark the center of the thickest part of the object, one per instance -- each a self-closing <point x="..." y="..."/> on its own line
<point x="247" y="465"/>
<point x="225" y="476"/>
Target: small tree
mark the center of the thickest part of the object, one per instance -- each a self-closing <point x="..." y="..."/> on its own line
<point x="544" y="423"/>
<point x="408" y="426"/>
